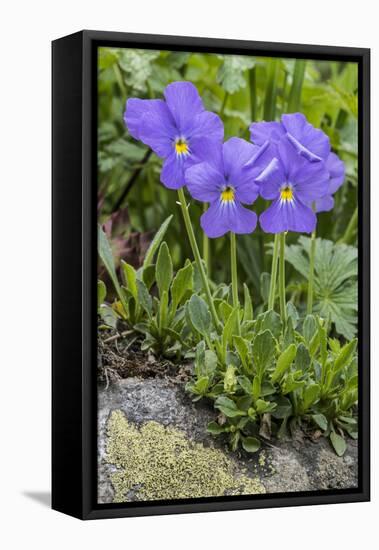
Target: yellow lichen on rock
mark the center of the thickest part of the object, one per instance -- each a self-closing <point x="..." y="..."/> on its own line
<point x="155" y="462"/>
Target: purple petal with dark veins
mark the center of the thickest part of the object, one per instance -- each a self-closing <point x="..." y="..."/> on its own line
<point x="288" y="216"/>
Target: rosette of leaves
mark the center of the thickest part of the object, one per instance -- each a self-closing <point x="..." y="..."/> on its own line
<point x="335" y="281"/>
<point x="278" y="378"/>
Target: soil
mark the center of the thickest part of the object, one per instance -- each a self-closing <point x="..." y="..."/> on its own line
<point x="148" y="391"/>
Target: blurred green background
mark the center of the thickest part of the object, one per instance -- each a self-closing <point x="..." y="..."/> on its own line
<point x="241" y="89"/>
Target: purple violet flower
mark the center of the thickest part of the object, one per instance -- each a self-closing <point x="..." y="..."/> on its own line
<point x="310" y="142"/>
<point x="292" y="183"/>
<point x="226" y="181"/>
<point x="336" y="169"/>
<point x="179" y="129"/>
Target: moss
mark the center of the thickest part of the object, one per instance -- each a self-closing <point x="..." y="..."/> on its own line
<point x="156" y="462"/>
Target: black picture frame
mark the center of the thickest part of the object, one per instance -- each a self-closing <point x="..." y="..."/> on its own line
<point x="74" y="408"/>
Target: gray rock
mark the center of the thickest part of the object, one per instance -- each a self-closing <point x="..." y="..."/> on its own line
<point x="281" y="466"/>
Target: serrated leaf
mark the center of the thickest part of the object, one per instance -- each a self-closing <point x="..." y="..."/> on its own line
<point x="231" y="73"/>
<point x="335" y="280"/>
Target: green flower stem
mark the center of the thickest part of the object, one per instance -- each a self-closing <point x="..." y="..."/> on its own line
<point x="274" y="273"/>
<point x="269" y="109"/>
<point x="282" y="277"/>
<point x="206" y="247"/>
<point x="294" y="99"/>
<point x="311" y="273"/>
<point x="233" y="265"/>
<point x="351" y="229"/>
<point x="226" y="95"/>
<point x="253" y="93"/>
<point x="196" y="254"/>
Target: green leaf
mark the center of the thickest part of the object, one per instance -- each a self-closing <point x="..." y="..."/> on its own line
<point x="101" y="293"/>
<point x="245" y="384"/>
<point x="271" y="320"/>
<point x="148" y="276"/>
<point x="215" y="429"/>
<point x="231" y="72"/>
<point x="263" y="350"/>
<point x="230" y="329"/>
<point x="137" y="67"/>
<point x="199" y="314"/>
<point x="283" y="408"/>
<point x="265" y="286"/>
<point x="248" y="306"/>
<point x="163" y="269"/>
<point x="303" y="359"/>
<point x="309" y="328"/>
<point x="321" y="421"/>
<point x="228" y="407"/>
<point x="338" y="443"/>
<point x="154" y="245"/>
<point x="144" y="298"/>
<point x="251" y="444"/>
<point x="284" y="362"/>
<point x="242" y="347"/>
<point x="105" y="253"/>
<point x="182" y="282"/>
<point x="293" y="314"/>
<point x="130" y="276"/>
<point x="310" y="395"/>
<point x="345" y="355"/>
<point x="335" y="280"/>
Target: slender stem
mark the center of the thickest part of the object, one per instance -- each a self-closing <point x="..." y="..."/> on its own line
<point x="233" y="265"/>
<point x="206" y="247"/>
<point x="311" y="273"/>
<point x="196" y="254"/>
<point x="294" y="99"/>
<point x="351" y="229"/>
<point x="274" y="273"/>
<point x="224" y="103"/>
<point x="271" y="89"/>
<point x="253" y="93"/>
<point x="282" y="278"/>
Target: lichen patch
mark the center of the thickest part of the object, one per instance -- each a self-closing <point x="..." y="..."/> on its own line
<point x="155" y="462"/>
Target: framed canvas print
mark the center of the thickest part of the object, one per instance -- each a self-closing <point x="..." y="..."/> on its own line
<point x="210" y="274"/>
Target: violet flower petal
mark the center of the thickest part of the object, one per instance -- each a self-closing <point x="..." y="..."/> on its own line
<point x="288" y="216"/>
<point x="204" y="182"/>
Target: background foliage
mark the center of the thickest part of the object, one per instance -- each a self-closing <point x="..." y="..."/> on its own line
<point x="236" y="88"/>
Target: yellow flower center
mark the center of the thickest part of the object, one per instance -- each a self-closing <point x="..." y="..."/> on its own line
<point x="227" y="194"/>
<point x="286" y="193"/>
<point x="181" y="147"/>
